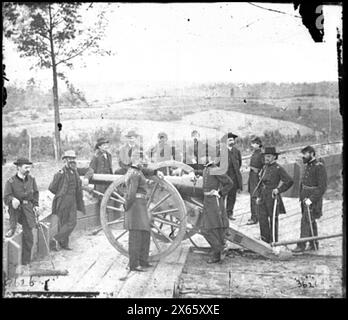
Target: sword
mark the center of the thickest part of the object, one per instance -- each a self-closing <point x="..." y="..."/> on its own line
<point x="311" y="226"/>
<point x="274" y="218"/>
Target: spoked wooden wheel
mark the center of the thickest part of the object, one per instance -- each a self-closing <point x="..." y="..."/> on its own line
<point x="166" y="210"/>
<point x="193" y="207"/>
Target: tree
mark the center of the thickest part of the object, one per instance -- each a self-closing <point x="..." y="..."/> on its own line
<point x="55" y="34"/>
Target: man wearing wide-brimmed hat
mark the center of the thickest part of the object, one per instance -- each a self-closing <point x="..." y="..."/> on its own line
<point x="233" y="171"/>
<point x="131" y="149"/>
<point x="21" y="195"/>
<point x="68" y="198"/>
<point x="274" y="181"/>
<point x="100" y="163"/>
<point x="256" y="164"/>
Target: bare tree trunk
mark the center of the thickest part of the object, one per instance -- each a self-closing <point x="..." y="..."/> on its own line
<point x="55" y="93"/>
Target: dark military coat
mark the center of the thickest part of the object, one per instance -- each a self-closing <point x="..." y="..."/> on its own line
<point x="313" y="185"/>
<point x="21" y="189"/>
<point x="271" y="176"/>
<point x="214" y="213"/>
<point x="256" y="162"/>
<point x="100" y="163"/>
<point x="136" y="215"/>
<point x="59" y="187"/>
<point x="234" y="164"/>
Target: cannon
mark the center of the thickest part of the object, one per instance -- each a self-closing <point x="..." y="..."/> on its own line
<point x="175" y="208"/>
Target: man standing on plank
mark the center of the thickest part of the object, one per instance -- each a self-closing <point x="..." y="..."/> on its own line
<point x="21" y="195"/>
<point x="256" y="164"/>
<point x="274" y="181"/>
<point x="68" y="198"/>
<point x="312" y="188"/>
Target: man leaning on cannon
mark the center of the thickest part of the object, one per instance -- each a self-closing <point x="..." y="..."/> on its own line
<point x="215" y="221"/>
<point x="21" y="195"/>
<point x="68" y="198"/>
<point x="137" y="220"/>
<point x="312" y="188"/>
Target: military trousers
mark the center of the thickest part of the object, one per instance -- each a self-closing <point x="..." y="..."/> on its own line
<point x="138" y="248"/>
<point x="306" y="227"/>
<point x="231" y="200"/>
<point x="254" y="209"/>
<point x="25" y="216"/>
<point x="216" y="239"/>
<point x="27" y="240"/>
<point x="67" y="219"/>
<point x="266" y="223"/>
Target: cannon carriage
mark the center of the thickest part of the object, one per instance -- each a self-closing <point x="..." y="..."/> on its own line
<point x="175" y="208"/>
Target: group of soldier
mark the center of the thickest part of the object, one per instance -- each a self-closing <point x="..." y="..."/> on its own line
<point x="267" y="181"/>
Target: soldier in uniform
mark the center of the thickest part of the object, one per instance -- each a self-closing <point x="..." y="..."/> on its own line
<point x="137" y="220"/>
<point x="233" y="171"/>
<point x="100" y="163"/>
<point x="274" y="181"/>
<point x="196" y="152"/>
<point x="312" y="188"/>
<point x="68" y="198"/>
<point x="215" y="221"/>
<point x="127" y="151"/>
<point x="21" y="195"/>
<point x="256" y="164"/>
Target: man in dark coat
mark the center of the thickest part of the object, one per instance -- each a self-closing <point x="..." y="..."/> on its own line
<point x="100" y="163"/>
<point x="131" y="149"/>
<point x="256" y="164"/>
<point x="137" y="220"/>
<point x="21" y="195"/>
<point x="196" y="153"/>
<point x="233" y="171"/>
<point x="312" y="188"/>
<point x="66" y="186"/>
<point x="215" y="221"/>
<point x="274" y="181"/>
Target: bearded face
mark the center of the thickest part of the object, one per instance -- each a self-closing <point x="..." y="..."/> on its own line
<point x="24" y="169"/>
<point x="307" y="157"/>
<point x="70" y="163"/>
<point x="230" y="142"/>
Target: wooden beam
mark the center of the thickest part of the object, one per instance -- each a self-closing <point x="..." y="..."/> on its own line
<point x="286" y="242"/>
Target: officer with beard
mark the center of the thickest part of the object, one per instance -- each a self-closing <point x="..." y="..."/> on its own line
<point x="312" y="188"/>
<point x="66" y="186"/>
<point x="274" y="181"/>
<point x="21" y="195"/>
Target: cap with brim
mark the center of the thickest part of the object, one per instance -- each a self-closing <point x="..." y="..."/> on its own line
<point x="257" y="140"/>
<point x="22" y="161"/>
<point x="69" y="154"/>
<point x="131" y="133"/>
<point x="101" y="141"/>
<point x="228" y="136"/>
<point x="162" y="134"/>
<point x="309" y="149"/>
<point x="270" y="150"/>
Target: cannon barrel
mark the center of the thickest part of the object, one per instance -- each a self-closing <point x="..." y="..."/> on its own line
<point x="183" y="184"/>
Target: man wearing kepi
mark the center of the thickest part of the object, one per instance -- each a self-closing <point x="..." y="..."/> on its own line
<point x="233" y="171"/>
<point x="137" y="220"/>
<point x="66" y="186"/>
<point x="215" y="221"/>
<point x="312" y="188"/>
<point x="256" y="164"/>
<point x="100" y="163"/>
<point x="274" y="181"/>
<point x="21" y="195"/>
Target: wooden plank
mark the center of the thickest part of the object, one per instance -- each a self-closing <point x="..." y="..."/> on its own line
<point x="5" y="258"/>
<point x="166" y="274"/>
<point x="240" y="238"/>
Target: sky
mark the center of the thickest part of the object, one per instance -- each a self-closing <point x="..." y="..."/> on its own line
<point x="207" y="42"/>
